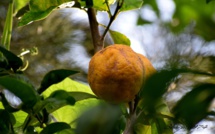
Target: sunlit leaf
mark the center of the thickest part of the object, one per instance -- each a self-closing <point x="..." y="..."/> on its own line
<point x="119" y="38"/>
<point x="100" y="5"/>
<point x="131" y="4"/>
<point x="20" y="118"/>
<point x="55" y="127"/>
<point x="54" y="77"/>
<point x="70" y="113"/>
<point x="14" y="61"/>
<point x="193" y="107"/>
<point x="68" y="85"/>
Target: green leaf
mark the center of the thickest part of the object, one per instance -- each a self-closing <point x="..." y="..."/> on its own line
<point x="7" y="106"/>
<point x="103" y="119"/>
<point x="81" y="95"/>
<point x="54" y="77"/>
<point x="21" y="89"/>
<point x="150" y="93"/>
<point x="97" y="4"/>
<point x="14" y="62"/>
<point x="34" y="16"/>
<point x="40" y="9"/>
<point x="7" y="32"/>
<point x="193" y="107"/>
<point x="142" y="129"/>
<point x="68" y="85"/>
<point x="20" y="118"/>
<point x="19" y="4"/>
<point x="207" y="1"/>
<point x="58" y="99"/>
<point x="119" y="38"/>
<point x="7" y="121"/>
<point x="131" y="4"/>
<point x="70" y="113"/>
<point x="5" y="2"/>
<point x="55" y="127"/>
<point x="200" y="12"/>
<point x="162" y="127"/>
<point x="43" y="5"/>
<point x="154" y="129"/>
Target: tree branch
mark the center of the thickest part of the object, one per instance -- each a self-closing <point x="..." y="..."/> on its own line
<point x="97" y="42"/>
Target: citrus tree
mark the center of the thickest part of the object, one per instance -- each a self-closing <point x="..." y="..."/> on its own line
<point x="125" y="93"/>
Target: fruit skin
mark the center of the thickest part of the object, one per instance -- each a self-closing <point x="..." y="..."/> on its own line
<point x="149" y="69"/>
<point x="116" y="73"/>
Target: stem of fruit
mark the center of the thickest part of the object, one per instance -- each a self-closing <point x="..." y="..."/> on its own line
<point x="97" y="42"/>
<point x="129" y="129"/>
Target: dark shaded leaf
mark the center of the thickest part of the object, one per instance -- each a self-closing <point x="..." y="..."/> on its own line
<point x="89" y="3"/>
<point x="156" y="86"/>
<point x="58" y="99"/>
<point x="7" y="121"/>
<point x="14" y="61"/>
<point x="55" y="127"/>
<point x="162" y="126"/>
<point x="30" y="130"/>
<point x="81" y="95"/>
<point x="19" y="4"/>
<point x="7" y="106"/>
<point x="54" y="77"/>
<point x="102" y="119"/>
<point x="21" y="89"/>
<point x="207" y="1"/>
<point x="193" y="107"/>
<point x="4" y="2"/>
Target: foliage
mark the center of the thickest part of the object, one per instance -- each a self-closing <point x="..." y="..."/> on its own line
<point x="62" y="105"/>
<point x="197" y="12"/>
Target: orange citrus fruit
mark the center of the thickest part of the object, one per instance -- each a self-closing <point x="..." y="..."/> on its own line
<point x="116" y="73"/>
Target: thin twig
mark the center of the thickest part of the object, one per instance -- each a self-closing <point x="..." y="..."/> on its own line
<point x="109" y="11"/>
<point x="112" y="18"/>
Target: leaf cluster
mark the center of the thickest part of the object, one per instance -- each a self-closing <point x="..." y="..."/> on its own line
<point x="61" y="105"/>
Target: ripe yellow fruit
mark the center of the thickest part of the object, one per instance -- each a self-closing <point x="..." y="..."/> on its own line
<point x="116" y="73"/>
<point x="149" y="69"/>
